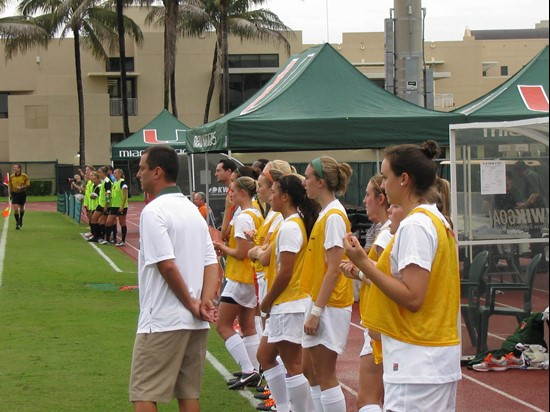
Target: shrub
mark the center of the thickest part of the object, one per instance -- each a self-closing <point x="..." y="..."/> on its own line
<point x="40" y="188"/>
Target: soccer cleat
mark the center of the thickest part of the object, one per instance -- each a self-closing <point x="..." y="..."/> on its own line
<point x="262" y="388"/>
<point x="102" y="242"/>
<point x="490" y="363"/>
<point x="268" y="405"/>
<point x="121" y="243"/>
<point x="237" y="374"/>
<point x="92" y="239"/>
<point x="112" y="241"/>
<point x="247" y="379"/>
<point x="88" y="235"/>
<point x="263" y="395"/>
<point x="17" y="227"/>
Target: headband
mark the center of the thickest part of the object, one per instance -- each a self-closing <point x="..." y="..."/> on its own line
<point x="241" y="184"/>
<point x="268" y="175"/>
<point x="318" y="167"/>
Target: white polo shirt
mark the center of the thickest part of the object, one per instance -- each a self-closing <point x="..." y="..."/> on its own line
<point x="171" y="227"/>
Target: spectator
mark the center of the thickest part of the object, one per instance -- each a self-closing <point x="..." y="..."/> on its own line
<point x="224" y="170"/>
<point x="199" y="199"/>
<point x="77" y="186"/>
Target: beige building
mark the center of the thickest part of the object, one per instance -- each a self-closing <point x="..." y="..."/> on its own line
<point x="38" y="102"/>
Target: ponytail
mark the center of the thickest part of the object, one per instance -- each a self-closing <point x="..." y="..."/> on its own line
<point x="308" y="209"/>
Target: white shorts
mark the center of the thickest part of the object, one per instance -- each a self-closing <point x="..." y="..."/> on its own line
<point x="262" y="290"/>
<point x="333" y="329"/>
<point x="420" y="397"/>
<point x="242" y="293"/>
<point x="285" y="327"/>
<point x="367" y="348"/>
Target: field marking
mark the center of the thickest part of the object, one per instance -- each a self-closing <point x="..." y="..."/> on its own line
<point x="3" y="242"/>
<point x="346" y="387"/>
<point x="222" y="370"/>
<point x="103" y="255"/>
<point x="506" y="395"/>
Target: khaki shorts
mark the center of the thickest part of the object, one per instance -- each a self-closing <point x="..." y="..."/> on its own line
<point x="168" y="365"/>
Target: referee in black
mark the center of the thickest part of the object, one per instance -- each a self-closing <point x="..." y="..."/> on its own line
<point x="18" y="184"/>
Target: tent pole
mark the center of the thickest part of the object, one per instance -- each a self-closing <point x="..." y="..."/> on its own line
<point x="206" y="192"/>
<point x="377" y="161"/>
<point x="191" y="166"/>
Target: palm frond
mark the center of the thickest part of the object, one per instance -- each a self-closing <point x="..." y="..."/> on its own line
<point x="20" y="34"/>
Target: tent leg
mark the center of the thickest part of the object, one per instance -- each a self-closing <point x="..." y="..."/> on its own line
<point x="207" y="188"/>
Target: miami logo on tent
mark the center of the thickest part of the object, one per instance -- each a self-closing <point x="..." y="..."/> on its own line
<point x="150" y="137"/>
<point x="534" y="97"/>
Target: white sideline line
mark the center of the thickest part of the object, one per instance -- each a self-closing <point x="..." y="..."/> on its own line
<point x="533" y="407"/>
<point x="3" y="242"/>
<point x="227" y="375"/>
<point x="103" y="255"/>
<point x="346" y="387"/>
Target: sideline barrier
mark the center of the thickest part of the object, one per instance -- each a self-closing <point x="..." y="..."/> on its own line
<point x="69" y="205"/>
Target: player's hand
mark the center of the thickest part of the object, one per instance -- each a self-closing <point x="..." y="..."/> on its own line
<point x="349" y="270"/>
<point x="354" y="251"/>
<point x="250" y="235"/>
<point x="311" y="325"/>
<point x="265" y="306"/>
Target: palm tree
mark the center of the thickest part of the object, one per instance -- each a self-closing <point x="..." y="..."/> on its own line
<point x="20" y="33"/>
<point x="122" y="57"/>
<point x="168" y="15"/>
<point x="241" y="21"/>
<point x="93" y="26"/>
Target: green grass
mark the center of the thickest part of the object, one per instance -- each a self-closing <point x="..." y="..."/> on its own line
<point x="65" y="346"/>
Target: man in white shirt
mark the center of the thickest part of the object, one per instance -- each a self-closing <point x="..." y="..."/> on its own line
<point x="178" y="278"/>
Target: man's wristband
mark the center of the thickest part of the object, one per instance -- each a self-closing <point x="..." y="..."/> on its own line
<point x="316" y="311"/>
<point x="361" y="275"/>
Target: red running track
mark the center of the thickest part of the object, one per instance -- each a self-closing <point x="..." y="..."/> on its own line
<point x="512" y="390"/>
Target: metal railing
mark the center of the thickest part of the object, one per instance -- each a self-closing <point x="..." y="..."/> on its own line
<point x="115" y="106"/>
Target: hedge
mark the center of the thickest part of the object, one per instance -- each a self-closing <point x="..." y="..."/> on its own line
<point x="40" y="188"/>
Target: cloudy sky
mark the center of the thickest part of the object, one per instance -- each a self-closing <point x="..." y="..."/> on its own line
<point x="445" y="19"/>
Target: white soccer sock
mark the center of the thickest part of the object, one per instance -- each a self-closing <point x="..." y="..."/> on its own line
<point x="251" y="344"/>
<point x="275" y="378"/>
<point x="316" y="398"/>
<point x="258" y="325"/>
<point x="299" y="393"/>
<point x="333" y="400"/>
<point x="236" y="348"/>
<point x="371" y="408"/>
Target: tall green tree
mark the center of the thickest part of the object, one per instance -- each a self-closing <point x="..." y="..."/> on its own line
<point x="238" y="18"/>
<point x="20" y="33"/>
<point x="169" y="16"/>
<point x="93" y="26"/>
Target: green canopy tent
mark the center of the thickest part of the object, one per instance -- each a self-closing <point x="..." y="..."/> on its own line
<point x="163" y="129"/>
<point x="523" y="96"/>
<point x="319" y="101"/>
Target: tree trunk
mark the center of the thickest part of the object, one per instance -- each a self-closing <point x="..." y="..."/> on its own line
<point x="212" y="84"/>
<point x="122" y="55"/>
<point x="166" y="66"/>
<point x="80" y="95"/>
<point x="224" y="63"/>
<point x="170" y="30"/>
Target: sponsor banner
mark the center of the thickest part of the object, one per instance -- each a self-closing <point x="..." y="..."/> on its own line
<point x="520" y="219"/>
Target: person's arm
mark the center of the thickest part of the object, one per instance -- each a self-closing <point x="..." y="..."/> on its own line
<point x="208" y="308"/>
<point x="284" y="275"/>
<point x="409" y="292"/>
<point x="530" y="200"/>
<point x="227" y="216"/>
<point x="27" y="183"/>
<point x="240" y="252"/>
<point x="171" y="274"/>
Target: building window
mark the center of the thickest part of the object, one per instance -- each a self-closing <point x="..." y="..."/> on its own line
<point x="484" y="73"/>
<point x="113" y="64"/>
<point x="115" y="96"/>
<point x="243" y="86"/>
<point x="504" y="70"/>
<point x="239" y="61"/>
<point x="3" y="105"/>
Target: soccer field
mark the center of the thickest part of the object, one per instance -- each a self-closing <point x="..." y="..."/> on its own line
<point x="67" y="330"/>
